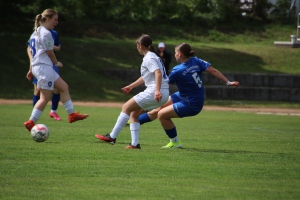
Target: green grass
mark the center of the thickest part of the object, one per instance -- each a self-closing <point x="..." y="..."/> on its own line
<point x="225" y="155"/>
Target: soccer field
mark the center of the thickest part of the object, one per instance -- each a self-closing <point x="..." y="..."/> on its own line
<point x="225" y="155"/>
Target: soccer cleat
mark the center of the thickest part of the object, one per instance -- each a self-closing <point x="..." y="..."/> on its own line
<point x="76" y="116"/>
<point x="28" y="125"/>
<point x="106" y="138"/>
<point x="130" y="146"/>
<point x="127" y="123"/>
<point x="55" y="116"/>
<point x="173" y="145"/>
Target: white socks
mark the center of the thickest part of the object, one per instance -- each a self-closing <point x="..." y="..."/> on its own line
<point x="35" y="115"/>
<point x="69" y="107"/>
<point x="135" y="133"/>
<point x="175" y="139"/>
<point x="121" y="122"/>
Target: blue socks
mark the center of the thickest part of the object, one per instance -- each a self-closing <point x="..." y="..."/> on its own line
<point x="172" y="133"/>
<point x="35" y="99"/>
<point x="144" y="118"/>
<point x="55" y="101"/>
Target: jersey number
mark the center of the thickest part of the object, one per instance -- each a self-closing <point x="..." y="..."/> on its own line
<point x="164" y="70"/>
<point x="197" y="79"/>
<point x="32" y="47"/>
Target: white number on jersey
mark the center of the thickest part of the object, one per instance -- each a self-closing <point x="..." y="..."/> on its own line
<point x="197" y="79"/>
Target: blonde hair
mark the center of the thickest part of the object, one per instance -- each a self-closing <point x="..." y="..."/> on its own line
<point x="48" y="13"/>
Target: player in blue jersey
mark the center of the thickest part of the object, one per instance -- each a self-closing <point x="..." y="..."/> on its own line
<point x="189" y="99"/>
<point x="156" y="94"/>
<point x="41" y="67"/>
<point x="36" y="92"/>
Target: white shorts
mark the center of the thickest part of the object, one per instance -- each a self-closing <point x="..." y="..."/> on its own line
<point x="146" y="99"/>
<point x="45" y="75"/>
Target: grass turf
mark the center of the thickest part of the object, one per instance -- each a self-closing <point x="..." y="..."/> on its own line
<point x="225" y="155"/>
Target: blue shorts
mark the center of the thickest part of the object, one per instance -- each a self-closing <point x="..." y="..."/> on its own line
<point x="184" y="108"/>
<point x="34" y="80"/>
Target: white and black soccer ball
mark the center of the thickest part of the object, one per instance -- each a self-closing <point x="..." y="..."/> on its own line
<point x="40" y="133"/>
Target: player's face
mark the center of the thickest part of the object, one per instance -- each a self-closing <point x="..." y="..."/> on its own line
<point x="53" y="21"/>
<point x="178" y="56"/>
<point x="139" y="48"/>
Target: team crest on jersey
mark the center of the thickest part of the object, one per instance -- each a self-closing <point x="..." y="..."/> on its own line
<point x="50" y="83"/>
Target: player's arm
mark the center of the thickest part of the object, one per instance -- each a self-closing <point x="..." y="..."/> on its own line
<point x="220" y="76"/>
<point x="135" y="84"/>
<point x="56" y="48"/>
<point x="29" y="73"/>
<point x="52" y="56"/>
<point x="158" y="81"/>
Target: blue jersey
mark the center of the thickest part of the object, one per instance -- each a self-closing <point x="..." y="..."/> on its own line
<point x="55" y="38"/>
<point x="188" y="78"/>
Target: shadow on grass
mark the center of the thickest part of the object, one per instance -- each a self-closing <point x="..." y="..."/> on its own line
<point x="230" y="151"/>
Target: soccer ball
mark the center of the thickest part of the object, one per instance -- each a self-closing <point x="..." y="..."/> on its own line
<point x="40" y="133"/>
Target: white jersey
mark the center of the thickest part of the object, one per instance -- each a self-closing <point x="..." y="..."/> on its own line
<point x="152" y="62"/>
<point x="40" y="41"/>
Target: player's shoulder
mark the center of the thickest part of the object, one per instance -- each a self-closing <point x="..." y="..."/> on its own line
<point x="53" y="32"/>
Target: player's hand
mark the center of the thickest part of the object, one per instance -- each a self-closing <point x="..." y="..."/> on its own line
<point x="157" y="96"/>
<point x="29" y="75"/>
<point x="235" y="83"/>
<point x="126" y="89"/>
<point x="59" y="64"/>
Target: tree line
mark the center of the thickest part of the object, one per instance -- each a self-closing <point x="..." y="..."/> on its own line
<point x="150" y="10"/>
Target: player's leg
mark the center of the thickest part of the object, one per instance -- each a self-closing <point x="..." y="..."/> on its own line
<point x="127" y="108"/>
<point x="63" y="88"/>
<point x="54" y="105"/>
<point x="135" y="127"/>
<point x="152" y="115"/>
<point x="37" y="111"/>
<point x="164" y="116"/>
<point x="36" y="92"/>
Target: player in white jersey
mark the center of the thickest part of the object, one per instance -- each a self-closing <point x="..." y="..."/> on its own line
<point x="43" y="58"/>
<point x="154" y="77"/>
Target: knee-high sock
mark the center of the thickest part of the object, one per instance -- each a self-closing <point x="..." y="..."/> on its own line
<point x="121" y="122"/>
<point x="35" y="98"/>
<point x="135" y="133"/>
<point x="55" y="101"/>
<point x="69" y="107"/>
<point x="35" y="115"/>
<point x="144" y="118"/>
<point x="172" y="134"/>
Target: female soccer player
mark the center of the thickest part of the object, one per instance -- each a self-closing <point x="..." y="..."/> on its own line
<point x="156" y="94"/>
<point x="43" y="58"/>
<point x="189" y="99"/>
<point x="36" y="92"/>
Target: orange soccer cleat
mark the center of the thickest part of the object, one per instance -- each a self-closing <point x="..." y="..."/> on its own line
<point x="28" y="125"/>
<point x="76" y="116"/>
<point x="130" y="146"/>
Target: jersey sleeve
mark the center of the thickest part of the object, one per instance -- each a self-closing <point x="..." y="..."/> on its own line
<point x="203" y="64"/>
<point x="153" y="64"/>
<point x="173" y="76"/>
<point x="47" y="41"/>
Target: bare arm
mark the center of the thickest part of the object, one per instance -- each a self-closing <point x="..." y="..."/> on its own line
<point x="220" y="76"/>
<point x="52" y="56"/>
<point x="158" y="81"/>
<point x="135" y="84"/>
<point x="29" y="73"/>
<point x="56" y="48"/>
